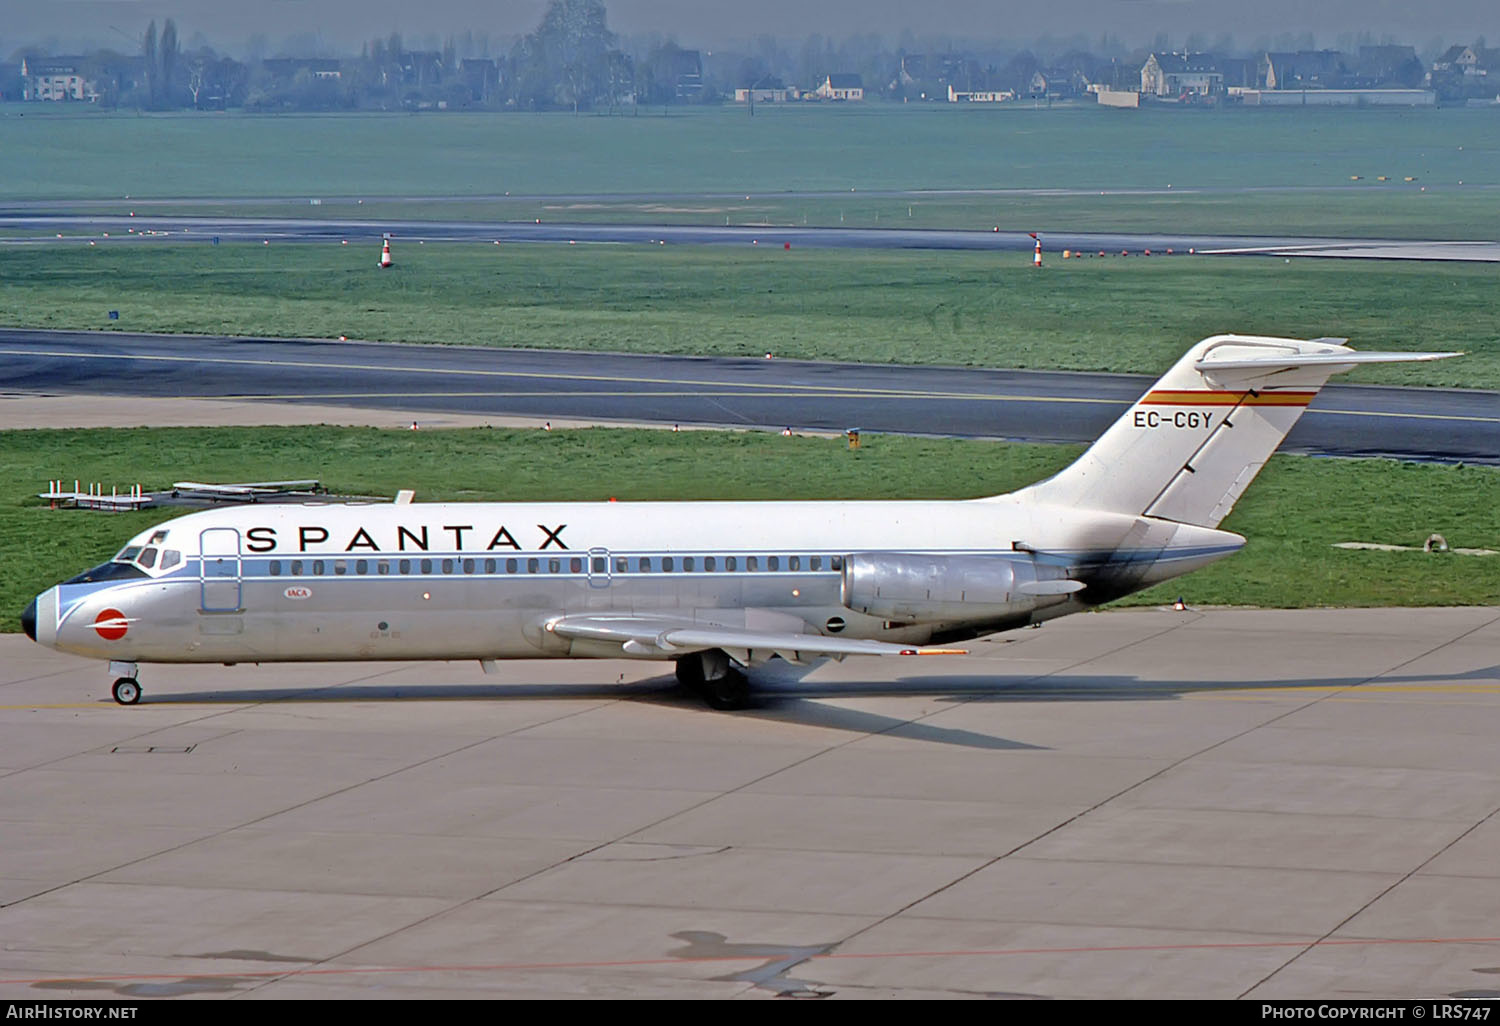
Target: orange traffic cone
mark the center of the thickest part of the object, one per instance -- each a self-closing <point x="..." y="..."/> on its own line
<point x="385" y="254"/>
<point x="1036" y="256"/>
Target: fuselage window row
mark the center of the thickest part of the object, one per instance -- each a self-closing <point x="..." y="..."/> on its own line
<point x="574" y="565"/>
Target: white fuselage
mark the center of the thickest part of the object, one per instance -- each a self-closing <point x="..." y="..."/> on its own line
<point x="478" y="580"/>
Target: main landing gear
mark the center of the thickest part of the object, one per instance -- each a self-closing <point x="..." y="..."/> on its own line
<point x="715" y="679"/>
<point x="127" y="689"/>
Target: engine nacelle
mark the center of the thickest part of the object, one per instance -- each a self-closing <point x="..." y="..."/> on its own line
<point x="913" y="588"/>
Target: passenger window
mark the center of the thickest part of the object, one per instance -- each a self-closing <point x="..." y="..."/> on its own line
<point x="340" y="566"/>
<point x="622" y="565"/>
<point x="170" y="558"/>
<point x="317" y="568"/>
<point x="489" y="566"/>
<point x="296" y="568"/>
<point x="447" y="566"/>
<point x="600" y="564"/>
<point x="794" y="563"/>
<point x="687" y="563"/>
<point x="532" y="565"/>
<point x="730" y="563"/>
<point x="773" y="562"/>
<point x="510" y="566"/>
<point x="575" y="565"/>
<point x="361" y="566"/>
<point x="554" y="566"/>
<point x="468" y="566"/>
<point x="383" y="567"/>
<point x="815" y="562"/>
<point x="752" y="563"/>
<point x="427" y="566"/>
<point x="404" y="566"/>
<point x="148" y="558"/>
<point x="835" y="562"/>
<point x="709" y="564"/>
<point x="666" y="564"/>
<point x="275" y="567"/>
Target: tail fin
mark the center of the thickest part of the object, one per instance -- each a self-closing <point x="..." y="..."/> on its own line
<point x="1191" y="445"/>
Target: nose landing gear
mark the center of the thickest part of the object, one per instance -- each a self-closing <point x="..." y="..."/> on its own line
<point x="127" y="689"/>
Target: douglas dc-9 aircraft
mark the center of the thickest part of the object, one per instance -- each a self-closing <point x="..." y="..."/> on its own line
<point x="713" y="586"/>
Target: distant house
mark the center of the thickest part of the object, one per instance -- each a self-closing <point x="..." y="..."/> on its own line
<point x="769" y="89"/>
<point x="979" y="95"/>
<point x="1181" y="74"/>
<point x="685" y="74"/>
<point x="1304" y="69"/>
<point x="288" y="67"/>
<point x="840" y="87"/>
<point x="57" y="79"/>
<point x="480" y="75"/>
<point x="1470" y="61"/>
<point x="1386" y="66"/>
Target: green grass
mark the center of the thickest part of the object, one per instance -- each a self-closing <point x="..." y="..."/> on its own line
<point x="966" y="309"/>
<point x="1292" y="515"/>
<point x="697" y="151"/>
<point x="1256" y="172"/>
<point x="1394" y="211"/>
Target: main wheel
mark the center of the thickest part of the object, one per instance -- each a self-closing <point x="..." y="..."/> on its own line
<point x="127" y="691"/>
<point x="731" y="691"/>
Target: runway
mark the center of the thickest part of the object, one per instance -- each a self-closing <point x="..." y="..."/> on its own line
<point x="1216" y="804"/>
<point x="414" y="382"/>
<point x="34" y="228"/>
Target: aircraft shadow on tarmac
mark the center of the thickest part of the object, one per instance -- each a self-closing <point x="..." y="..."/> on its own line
<point x="783" y="695"/>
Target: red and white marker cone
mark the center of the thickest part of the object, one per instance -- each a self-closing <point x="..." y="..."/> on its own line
<point x="385" y="254"/>
<point x="1036" y="256"/>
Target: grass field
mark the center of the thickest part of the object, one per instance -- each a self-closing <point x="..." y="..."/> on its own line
<point x="1292" y="515"/>
<point x="722" y="150"/>
<point x="991" y="310"/>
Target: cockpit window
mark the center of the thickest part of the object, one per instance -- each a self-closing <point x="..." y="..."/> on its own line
<point x="170" y="558"/>
<point x="128" y="554"/>
<point x="111" y="571"/>
<point x="147" y="558"/>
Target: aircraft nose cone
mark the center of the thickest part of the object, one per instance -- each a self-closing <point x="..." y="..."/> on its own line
<point x="28" y="620"/>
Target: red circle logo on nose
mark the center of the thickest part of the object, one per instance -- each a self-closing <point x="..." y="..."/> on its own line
<point x="111" y="624"/>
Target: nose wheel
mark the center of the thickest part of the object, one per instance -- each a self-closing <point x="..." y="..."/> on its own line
<point x="127" y="691"/>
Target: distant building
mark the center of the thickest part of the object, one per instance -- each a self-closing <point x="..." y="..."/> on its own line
<point x="1181" y="74"/>
<point x="480" y="75"/>
<point x="980" y="96"/>
<point x="769" y="89"/>
<point x="57" y="79"/>
<point x="840" y="87"/>
<point x="685" y="74"/>
<point x="288" y="67"/>
<point x="1305" y="69"/>
<point x="1470" y="61"/>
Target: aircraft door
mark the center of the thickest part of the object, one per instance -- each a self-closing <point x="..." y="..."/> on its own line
<point x="220" y="570"/>
<point x="599" y="568"/>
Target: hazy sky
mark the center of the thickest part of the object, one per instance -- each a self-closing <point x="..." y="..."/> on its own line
<point x="344" y="24"/>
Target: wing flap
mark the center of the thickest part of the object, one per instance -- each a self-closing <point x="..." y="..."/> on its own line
<point x="644" y="635"/>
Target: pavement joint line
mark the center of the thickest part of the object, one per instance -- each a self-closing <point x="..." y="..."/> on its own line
<point x="271" y="975"/>
<point x="464" y="901"/>
<point x="1055" y="827"/>
<point x="217" y="833"/>
<point x="1425" y="862"/>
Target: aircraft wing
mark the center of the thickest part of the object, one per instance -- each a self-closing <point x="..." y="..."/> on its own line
<point x="645" y="634"/>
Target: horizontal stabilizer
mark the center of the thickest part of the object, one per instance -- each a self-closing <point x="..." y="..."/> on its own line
<point x="1277" y="361"/>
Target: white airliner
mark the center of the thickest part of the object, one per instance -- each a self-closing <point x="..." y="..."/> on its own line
<point x="714" y="586"/>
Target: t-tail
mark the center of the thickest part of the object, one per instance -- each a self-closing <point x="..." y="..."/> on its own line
<point x="1187" y="449"/>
